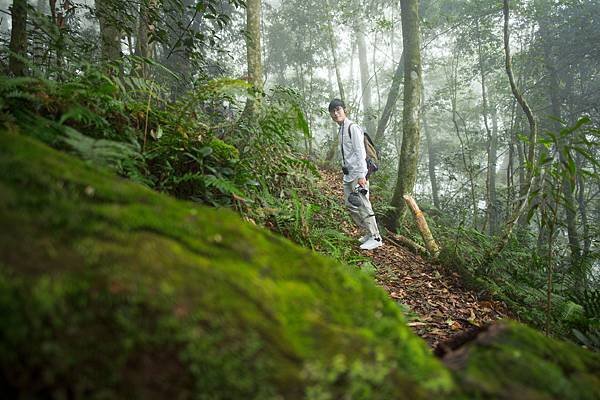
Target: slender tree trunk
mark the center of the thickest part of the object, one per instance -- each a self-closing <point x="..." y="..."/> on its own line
<point x="432" y="163"/>
<point x="336" y="65"/>
<point x="253" y="55"/>
<point x="365" y="77"/>
<point x="145" y="27"/>
<point x="491" y="209"/>
<point x="332" y="47"/>
<point x="409" y="153"/>
<point x="376" y="77"/>
<point x="468" y="165"/>
<point x="390" y="103"/>
<point x="510" y="170"/>
<point x="587" y="239"/>
<point x="532" y="143"/>
<point x="18" y="39"/>
<point x="568" y="185"/>
<point x="491" y="145"/>
<point x="110" y="36"/>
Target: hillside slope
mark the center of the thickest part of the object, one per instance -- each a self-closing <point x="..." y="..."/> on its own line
<point x="109" y="290"/>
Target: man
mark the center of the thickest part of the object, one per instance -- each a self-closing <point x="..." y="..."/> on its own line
<point x="356" y="185"/>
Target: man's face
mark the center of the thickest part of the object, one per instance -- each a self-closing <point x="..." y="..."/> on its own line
<point x="338" y="114"/>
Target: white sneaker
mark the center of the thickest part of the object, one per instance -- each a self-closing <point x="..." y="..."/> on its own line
<point x="371" y="244"/>
<point x="364" y="238"/>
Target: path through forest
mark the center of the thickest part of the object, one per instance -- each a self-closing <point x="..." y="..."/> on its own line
<point x="440" y="306"/>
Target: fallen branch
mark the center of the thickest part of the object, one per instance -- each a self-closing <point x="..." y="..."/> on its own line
<point x="403" y="241"/>
<point x="430" y="243"/>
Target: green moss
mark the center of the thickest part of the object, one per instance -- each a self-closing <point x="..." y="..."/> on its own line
<point x="111" y="290"/>
<point x="511" y="360"/>
<point x="224" y="151"/>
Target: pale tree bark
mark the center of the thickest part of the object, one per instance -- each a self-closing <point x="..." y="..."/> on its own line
<point x="432" y="163"/>
<point x="390" y="103"/>
<point x="143" y="47"/>
<point x="338" y="75"/>
<point x="333" y="49"/>
<point x="110" y="36"/>
<point x="512" y="150"/>
<point x="365" y="78"/>
<point x="491" y="198"/>
<point x="490" y="212"/>
<point x="18" y="39"/>
<point x="409" y="153"/>
<point x="587" y="239"/>
<point x="253" y="55"/>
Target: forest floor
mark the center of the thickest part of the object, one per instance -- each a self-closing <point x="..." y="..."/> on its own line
<point x="440" y="307"/>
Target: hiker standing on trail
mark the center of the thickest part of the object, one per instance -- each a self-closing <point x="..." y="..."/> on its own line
<point x="356" y="184"/>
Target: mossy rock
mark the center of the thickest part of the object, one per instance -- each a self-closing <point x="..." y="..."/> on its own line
<point x="110" y="290"/>
<point x="512" y="361"/>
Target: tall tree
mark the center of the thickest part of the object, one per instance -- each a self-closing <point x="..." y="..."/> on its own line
<point x="365" y="78"/>
<point x="390" y="102"/>
<point x="508" y="229"/>
<point x="18" y="38"/>
<point x="491" y="140"/>
<point x="143" y="46"/>
<point x="110" y="35"/>
<point x="553" y="85"/>
<point x="253" y="54"/>
<point x="431" y="164"/>
<point x="409" y="153"/>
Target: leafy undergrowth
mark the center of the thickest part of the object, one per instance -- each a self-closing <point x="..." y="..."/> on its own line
<point x="517" y="277"/>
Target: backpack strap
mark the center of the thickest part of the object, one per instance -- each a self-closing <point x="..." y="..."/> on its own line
<point x="342" y="146"/>
<point x="349" y="130"/>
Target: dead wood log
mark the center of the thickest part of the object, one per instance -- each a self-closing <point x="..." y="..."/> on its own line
<point x="403" y="241"/>
<point x="430" y="243"/>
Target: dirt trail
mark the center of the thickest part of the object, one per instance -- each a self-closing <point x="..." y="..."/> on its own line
<point x="440" y="306"/>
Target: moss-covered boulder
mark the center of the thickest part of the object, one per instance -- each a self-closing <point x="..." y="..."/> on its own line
<point x="511" y="361"/>
<point x="110" y="290"/>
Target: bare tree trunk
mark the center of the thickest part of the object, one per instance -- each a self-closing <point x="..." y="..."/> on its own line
<point x="110" y="36"/>
<point x="468" y="165"/>
<point x="587" y="239"/>
<point x="568" y="185"/>
<point x="145" y="27"/>
<point x="336" y="63"/>
<point x="409" y="153"/>
<point x="492" y="209"/>
<point x="253" y="55"/>
<point x="18" y="39"/>
<point x="365" y="77"/>
<point x="532" y="143"/>
<point x="432" y="163"/>
<point x="390" y="103"/>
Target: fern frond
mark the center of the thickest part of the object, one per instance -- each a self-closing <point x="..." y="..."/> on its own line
<point x="224" y="186"/>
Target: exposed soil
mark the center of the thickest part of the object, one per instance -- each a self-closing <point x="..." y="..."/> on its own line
<point x="440" y="307"/>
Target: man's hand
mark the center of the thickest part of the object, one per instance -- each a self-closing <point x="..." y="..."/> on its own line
<point x="362" y="182"/>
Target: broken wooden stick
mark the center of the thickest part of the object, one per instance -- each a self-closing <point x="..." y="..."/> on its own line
<point x="403" y="241"/>
<point x="430" y="243"/>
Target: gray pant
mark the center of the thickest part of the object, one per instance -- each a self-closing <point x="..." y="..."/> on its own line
<point x="363" y="216"/>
